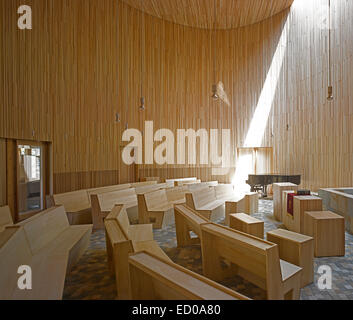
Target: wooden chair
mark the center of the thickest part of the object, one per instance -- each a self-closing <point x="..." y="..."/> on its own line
<point x="204" y="201"/>
<point x="252" y="258"/>
<point x="49" y="245"/>
<point x="153" y="278"/>
<point x="123" y="239"/>
<point x="77" y="206"/>
<point x="155" y="208"/>
<point x="102" y="205"/>
<point x="5" y="218"/>
<point x="188" y="220"/>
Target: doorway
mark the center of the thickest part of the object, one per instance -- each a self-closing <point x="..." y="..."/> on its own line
<point x="29" y="179"/>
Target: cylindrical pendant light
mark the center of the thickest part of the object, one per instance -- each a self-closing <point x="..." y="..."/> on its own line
<point x="214" y="86"/>
<point x="330" y="87"/>
<point x="142" y="44"/>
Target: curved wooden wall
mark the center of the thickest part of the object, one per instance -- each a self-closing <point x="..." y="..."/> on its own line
<point x="65" y="80"/>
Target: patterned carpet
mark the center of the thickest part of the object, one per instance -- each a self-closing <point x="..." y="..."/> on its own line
<point x="90" y="278"/>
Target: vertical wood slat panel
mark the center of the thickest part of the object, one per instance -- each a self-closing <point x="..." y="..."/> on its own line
<point x="66" y="79"/>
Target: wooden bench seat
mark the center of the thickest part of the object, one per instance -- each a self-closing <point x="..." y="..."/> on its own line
<point x="252" y="258"/>
<point x="103" y="203"/>
<point x="152" y="278"/>
<point x="188" y="220"/>
<point x="204" y="201"/>
<point x="155" y="208"/>
<point x="123" y="239"/>
<point x="77" y="206"/>
<point x="49" y="245"/>
<point x="5" y="218"/>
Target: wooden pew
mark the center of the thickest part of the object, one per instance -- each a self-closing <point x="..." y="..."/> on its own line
<point x="204" y="201"/>
<point x="184" y="183"/>
<point x="155" y="208"/>
<point x="252" y="258"/>
<point x="226" y="192"/>
<point x="102" y="205"/>
<point x="117" y="187"/>
<point x="150" y="188"/>
<point x="123" y="239"/>
<point x="77" y="206"/>
<point x="176" y="195"/>
<point x="144" y="179"/>
<point x="143" y="184"/>
<point x="49" y="245"/>
<point x="187" y="220"/>
<point x="152" y="278"/>
<point x="5" y="218"/>
<point x="174" y="182"/>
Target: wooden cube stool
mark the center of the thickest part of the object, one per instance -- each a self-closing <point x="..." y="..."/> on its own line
<point x="301" y="204"/>
<point x="245" y="223"/>
<point x="278" y="188"/>
<point x="328" y="231"/>
<point x="251" y="202"/>
<point x="297" y="249"/>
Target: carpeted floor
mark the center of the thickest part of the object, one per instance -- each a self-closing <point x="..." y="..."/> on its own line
<point x="90" y="278"/>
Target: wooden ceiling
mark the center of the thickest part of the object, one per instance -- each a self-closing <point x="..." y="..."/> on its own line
<point x="200" y="13"/>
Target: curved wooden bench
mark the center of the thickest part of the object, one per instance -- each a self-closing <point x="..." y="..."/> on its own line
<point x="152" y="278"/>
<point x="123" y="239"/>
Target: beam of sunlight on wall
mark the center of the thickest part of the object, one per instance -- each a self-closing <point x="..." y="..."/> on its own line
<point x="259" y="121"/>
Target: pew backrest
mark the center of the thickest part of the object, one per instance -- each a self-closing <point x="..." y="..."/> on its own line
<point x="259" y="257"/>
<point x="149" y="188"/>
<point x="143" y="184"/>
<point x="73" y="201"/>
<point x="14" y="252"/>
<point x="173" y="181"/>
<point x="112" y="188"/>
<point x="176" y="193"/>
<point x="167" y="280"/>
<point x="5" y="217"/>
<point x="202" y="197"/>
<point x="44" y="227"/>
<point x="108" y="200"/>
<point x="224" y="191"/>
<point x="156" y="199"/>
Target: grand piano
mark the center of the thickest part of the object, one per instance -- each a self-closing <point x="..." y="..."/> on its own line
<point x="261" y="181"/>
